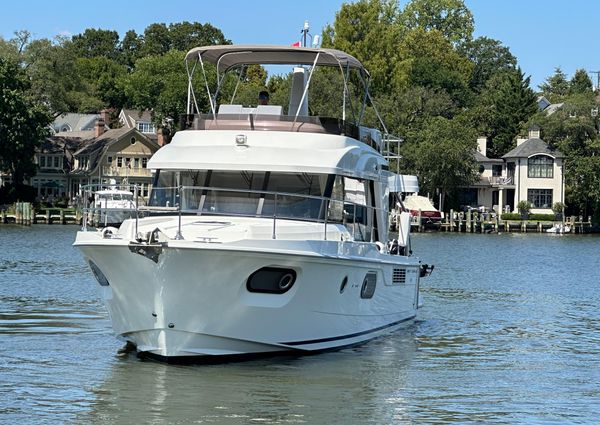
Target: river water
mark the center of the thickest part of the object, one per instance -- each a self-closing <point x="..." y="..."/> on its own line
<point x="509" y="333"/>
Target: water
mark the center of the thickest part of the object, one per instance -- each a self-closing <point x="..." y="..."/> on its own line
<point x="510" y="333"/>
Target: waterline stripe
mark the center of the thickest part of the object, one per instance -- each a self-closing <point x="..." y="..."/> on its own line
<point x="337" y="338"/>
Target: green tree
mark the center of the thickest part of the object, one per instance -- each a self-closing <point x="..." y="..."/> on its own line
<point x="131" y="48"/>
<point x="368" y="30"/>
<point x="556" y="87"/>
<point x="489" y="57"/>
<point x="431" y="61"/>
<point x="580" y="83"/>
<point x="22" y="123"/>
<point x="450" y="17"/>
<point x="51" y="68"/>
<point x="104" y="82"/>
<point x="442" y="156"/>
<point x="96" y="42"/>
<point x="505" y="104"/>
<point x="187" y="35"/>
<point x="156" y="40"/>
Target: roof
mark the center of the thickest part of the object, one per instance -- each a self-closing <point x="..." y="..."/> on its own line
<point x="479" y="157"/>
<point x="131" y="116"/>
<point x="532" y="147"/>
<point x="229" y="56"/>
<point x="268" y="150"/>
<point x="75" y="122"/>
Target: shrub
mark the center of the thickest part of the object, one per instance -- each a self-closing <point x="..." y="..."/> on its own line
<point x="510" y="216"/>
<point x="542" y="217"/>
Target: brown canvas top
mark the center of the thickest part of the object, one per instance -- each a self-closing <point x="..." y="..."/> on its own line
<point x="229" y="56"/>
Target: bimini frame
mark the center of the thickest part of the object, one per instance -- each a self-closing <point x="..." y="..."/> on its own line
<point x="227" y="57"/>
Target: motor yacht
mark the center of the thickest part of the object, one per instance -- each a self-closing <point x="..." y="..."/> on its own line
<point x="266" y="231"/>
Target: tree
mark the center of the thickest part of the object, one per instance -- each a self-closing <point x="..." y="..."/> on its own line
<point x="96" y="42"/>
<point x="51" y="68"/>
<point x="187" y="35"/>
<point x="131" y="47"/>
<point x="580" y="83"/>
<point x="556" y="86"/>
<point x="442" y="156"/>
<point x="505" y="104"/>
<point x="104" y="82"/>
<point x="431" y="61"/>
<point x="22" y="123"/>
<point x="489" y="57"/>
<point x="450" y="17"/>
<point x="368" y="30"/>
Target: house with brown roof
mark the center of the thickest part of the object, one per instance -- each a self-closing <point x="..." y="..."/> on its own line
<point x="69" y="160"/>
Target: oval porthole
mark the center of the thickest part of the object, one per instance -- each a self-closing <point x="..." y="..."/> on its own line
<point x="132" y="140"/>
<point x="343" y="285"/>
<point x="368" y="286"/>
<point x="271" y="280"/>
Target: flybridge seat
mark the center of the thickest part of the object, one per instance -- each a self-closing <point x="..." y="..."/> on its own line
<point x="226" y="110"/>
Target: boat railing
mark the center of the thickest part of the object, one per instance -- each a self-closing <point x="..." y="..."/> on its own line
<point x="277" y="206"/>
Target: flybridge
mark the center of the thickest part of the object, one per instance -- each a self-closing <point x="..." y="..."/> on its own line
<point x="293" y="117"/>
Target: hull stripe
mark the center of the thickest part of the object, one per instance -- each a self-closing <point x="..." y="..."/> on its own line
<point x="337" y="338"/>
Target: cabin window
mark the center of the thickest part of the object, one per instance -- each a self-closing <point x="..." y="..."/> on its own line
<point x="109" y="159"/>
<point x="42" y="161"/>
<point x="144" y="162"/>
<point x="540" y="166"/>
<point x="119" y="161"/>
<point x="56" y="162"/>
<point x="540" y="198"/>
<point x="136" y="163"/>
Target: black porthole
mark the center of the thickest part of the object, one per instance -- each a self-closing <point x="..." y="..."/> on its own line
<point x="271" y="280"/>
<point x="368" y="286"/>
<point x="102" y="280"/>
<point x="343" y="285"/>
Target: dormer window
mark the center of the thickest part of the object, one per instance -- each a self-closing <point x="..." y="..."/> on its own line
<point x="540" y="166"/>
<point x="65" y="127"/>
<point x="145" y="127"/>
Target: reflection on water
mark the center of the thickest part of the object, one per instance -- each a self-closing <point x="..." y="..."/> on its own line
<point x="510" y="333"/>
<point x="349" y="386"/>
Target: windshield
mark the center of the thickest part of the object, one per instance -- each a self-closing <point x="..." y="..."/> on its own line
<point x="303" y="196"/>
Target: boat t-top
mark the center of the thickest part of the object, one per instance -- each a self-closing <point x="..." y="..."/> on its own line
<point x="266" y="231"/>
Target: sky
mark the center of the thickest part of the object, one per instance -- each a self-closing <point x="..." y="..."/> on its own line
<point x="542" y="34"/>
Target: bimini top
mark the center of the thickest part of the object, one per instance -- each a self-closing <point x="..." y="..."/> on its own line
<point x="228" y="56"/>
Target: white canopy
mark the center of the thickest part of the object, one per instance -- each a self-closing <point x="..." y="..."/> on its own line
<point x="228" y="56"/>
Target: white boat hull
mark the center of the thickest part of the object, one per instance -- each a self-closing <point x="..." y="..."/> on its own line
<point x="193" y="300"/>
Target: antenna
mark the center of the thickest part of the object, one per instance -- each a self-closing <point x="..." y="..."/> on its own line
<point x="304" y="33"/>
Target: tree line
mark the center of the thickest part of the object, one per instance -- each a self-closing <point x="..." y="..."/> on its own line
<point x="435" y="85"/>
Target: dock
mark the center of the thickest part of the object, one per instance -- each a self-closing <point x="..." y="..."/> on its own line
<point x="24" y="214"/>
<point x="475" y="222"/>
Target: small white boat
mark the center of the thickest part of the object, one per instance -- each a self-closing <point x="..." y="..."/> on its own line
<point x="267" y="231"/>
<point x="422" y="205"/>
<point x="559" y="228"/>
<point x="112" y="206"/>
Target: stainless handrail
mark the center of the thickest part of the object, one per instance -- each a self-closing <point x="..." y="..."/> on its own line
<point x="178" y="195"/>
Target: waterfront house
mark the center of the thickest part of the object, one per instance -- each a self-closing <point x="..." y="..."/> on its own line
<point x="140" y="120"/>
<point x="72" y="159"/>
<point x="532" y="171"/>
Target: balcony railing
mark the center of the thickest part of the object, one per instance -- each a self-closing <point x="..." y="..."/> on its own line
<point x="500" y="180"/>
<point x="125" y="172"/>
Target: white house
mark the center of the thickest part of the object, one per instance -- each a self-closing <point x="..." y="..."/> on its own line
<point x="532" y="171"/>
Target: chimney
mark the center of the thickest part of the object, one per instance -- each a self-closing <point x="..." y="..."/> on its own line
<point x="482" y="145"/>
<point x="161" y="137"/>
<point x="105" y="115"/>
<point x="99" y="128"/>
<point x="534" y="132"/>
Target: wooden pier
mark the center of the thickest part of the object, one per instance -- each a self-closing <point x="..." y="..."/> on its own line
<point x="23" y="214"/>
<point x="474" y="222"/>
